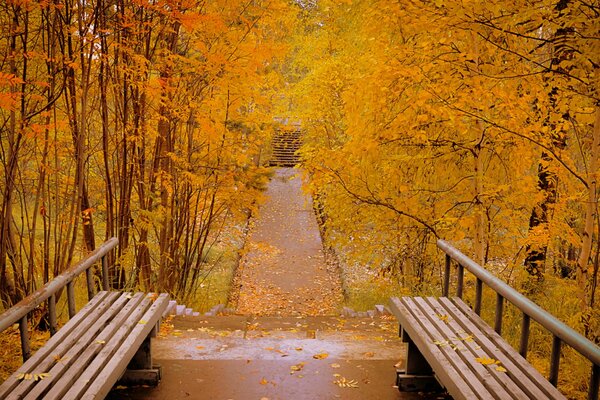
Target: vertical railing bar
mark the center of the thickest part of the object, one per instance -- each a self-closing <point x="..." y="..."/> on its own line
<point x="446" y="288"/>
<point x="478" y="295"/>
<point x="24" y="330"/>
<point x="104" y="273"/>
<point x="71" y="299"/>
<point x="52" y="314"/>
<point x="499" y="312"/>
<point x="89" y="279"/>
<point x="525" y="323"/>
<point x="594" y="382"/>
<point x="554" y="360"/>
<point x="459" y="283"/>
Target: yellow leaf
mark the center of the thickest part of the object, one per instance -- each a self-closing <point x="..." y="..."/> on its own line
<point x="500" y="368"/>
<point x="296" y="368"/>
<point x="263" y="381"/>
<point x="486" y="361"/>
<point x="100" y="341"/>
<point x="443" y="317"/>
<point x="200" y="347"/>
<point x="143" y="322"/>
<point x="320" y="356"/>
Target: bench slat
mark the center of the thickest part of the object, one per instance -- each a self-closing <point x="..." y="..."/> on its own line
<point x="459" y="365"/>
<point x="89" y="357"/>
<point x="434" y="355"/>
<point x="528" y="377"/>
<point x="59" y="368"/>
<point x="56" y="345"/>
<point x="113" y="370"/>
<point x="135" y="314"/>
<point x="498" y="384"/>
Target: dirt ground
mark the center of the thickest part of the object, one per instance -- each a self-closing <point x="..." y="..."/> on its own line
<point x="283" y="270"/>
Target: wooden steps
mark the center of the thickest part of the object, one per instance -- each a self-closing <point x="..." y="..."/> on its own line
<point x="285" y="146"/>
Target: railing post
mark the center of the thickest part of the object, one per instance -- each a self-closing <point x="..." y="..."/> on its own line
<point x="52" y="314"/>
<point x="459" y="283"/>
<point x="499" y="312"/>
<point x="524" y="335"/>
<point x="89" y="279"/>
<point x="23" y="329"/>
<point x="71" y="299"/>
<point x="446" y="287"/>
<point x="104" y="273"/>
<point x="554" y="360"/>
<point x="594" y="382"/>
<point x="478" y="295"/>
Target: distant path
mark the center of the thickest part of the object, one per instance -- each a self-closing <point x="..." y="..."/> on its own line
<point x="284" y="271"/>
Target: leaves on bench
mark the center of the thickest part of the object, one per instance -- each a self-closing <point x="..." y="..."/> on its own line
<point x="491" y="362"/>
<point x="35" y="377"/>
<point x="443" y="317"/>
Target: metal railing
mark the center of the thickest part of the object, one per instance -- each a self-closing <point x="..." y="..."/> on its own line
<point x="561" y="333"/>
<point x="18" y="312"/>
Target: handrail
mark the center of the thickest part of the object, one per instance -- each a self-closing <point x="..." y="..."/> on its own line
<point x="18" y="312"/>
<point x="560" y="330"/>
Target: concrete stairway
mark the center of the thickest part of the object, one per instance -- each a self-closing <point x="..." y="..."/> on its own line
<point x="246" y="357"/>
<point x="285" y="145"/>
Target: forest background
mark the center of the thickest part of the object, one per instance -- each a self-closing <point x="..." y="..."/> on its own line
<point x="150" y="121"/>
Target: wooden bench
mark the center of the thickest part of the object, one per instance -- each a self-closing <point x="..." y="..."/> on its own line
<point x="106" y="340"/>
<point x="448" y="341"/>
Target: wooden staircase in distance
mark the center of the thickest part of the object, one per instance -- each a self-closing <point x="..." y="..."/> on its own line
<point x="285" y="145"/>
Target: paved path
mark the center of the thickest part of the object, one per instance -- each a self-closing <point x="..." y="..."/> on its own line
<point x="284" y="270"/>
<point x="285" y="344"/>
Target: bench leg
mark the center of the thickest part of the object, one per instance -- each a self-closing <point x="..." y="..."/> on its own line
<point x="140" y="370"/>
<point x="417" y="375"/>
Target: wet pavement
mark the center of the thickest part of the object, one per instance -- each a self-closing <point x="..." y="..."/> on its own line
<point x="245" y="357"/>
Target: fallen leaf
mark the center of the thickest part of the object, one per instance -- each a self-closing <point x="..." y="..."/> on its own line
<point x="500" y="368"/>
<point x="296" y="368"/>
<point x="369" y="354"/>
<point x="344" y="383"/>
<point x="41" y="376"/>
<point x="334" y="365"/>
<point x="200" y="347"/>
<point x="443" y="317"/>
<point x="143" y="322"/>
<point x="320" y="356"/>
<point x="263" y="381"/>
<point x="100" y="341"/>
<point x="487" y="361"/>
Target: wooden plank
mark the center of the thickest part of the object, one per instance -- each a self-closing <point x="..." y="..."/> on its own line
<point x="499" y="383"/>
<point x="108" y="349"/>
<point x="88" y="364"/>
<point x="508" y="355"/>
<point x="52" y="345"/>
<point x="100" y="319"/>
<point x="115" y="367"/>
<point x="476" y="375"/>
<point x="460" y="366"/>
<point x="446" y="372"/>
